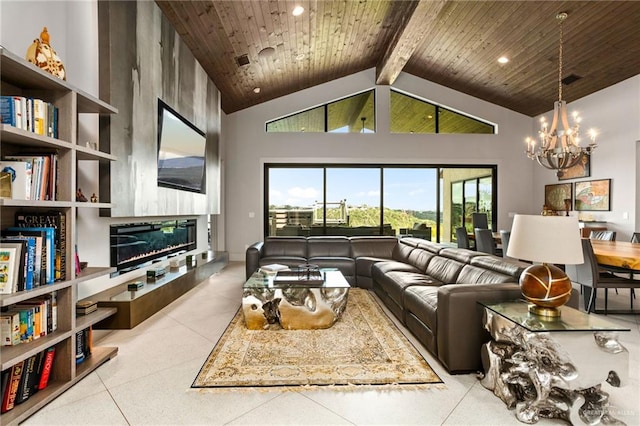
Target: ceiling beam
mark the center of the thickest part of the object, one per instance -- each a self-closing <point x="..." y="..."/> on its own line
<point x="408" y="37"/>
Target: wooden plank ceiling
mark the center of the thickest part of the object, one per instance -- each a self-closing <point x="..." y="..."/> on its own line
<point x="452" y="43"/>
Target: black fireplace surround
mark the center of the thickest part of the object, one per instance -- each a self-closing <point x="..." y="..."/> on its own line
<point x="134" y="245"/>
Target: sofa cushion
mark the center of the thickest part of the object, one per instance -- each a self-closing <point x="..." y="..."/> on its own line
<point x="328" y="247"/>
<point x="379" y="269"/>
<point x="474" y="275"/>
<point x="422" y="302"/>
<point x="509" y="267"/>
<point x="402" y="250"/>
<point x="346" y="265"/>
<point x="420" y="258"/>
<point x="444" y="269"/>
<point x="363" y="270"/>
<point x="395" y="283"/>
<point x="430" y="246"/>
<point x="290" y="261"/>
<point x="375" y="247"/>
<point x="460" y="254"/>
<point x="284" y="246"/>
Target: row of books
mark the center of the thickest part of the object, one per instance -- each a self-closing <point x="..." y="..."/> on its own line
<point x="34" y="252"/>
<point x="25" y="378"/>
<point x="31" y="114"/>
<point x="29" y="320"/>
<point x="33" y="176"/>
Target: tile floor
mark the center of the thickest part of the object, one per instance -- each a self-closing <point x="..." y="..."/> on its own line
<point x="148" y="383"/>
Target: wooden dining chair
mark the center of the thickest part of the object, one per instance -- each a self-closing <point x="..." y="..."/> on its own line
<point x="603" y="235"/>
<point x="589" y="277"/>
<point x="484" y="241"/>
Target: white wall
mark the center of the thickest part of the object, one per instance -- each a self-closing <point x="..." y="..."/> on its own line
<point x="247" y="147"/>
<point x="615" y="113"/>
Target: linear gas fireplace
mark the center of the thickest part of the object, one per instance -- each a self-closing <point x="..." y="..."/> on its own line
<point x="134" y="245"/>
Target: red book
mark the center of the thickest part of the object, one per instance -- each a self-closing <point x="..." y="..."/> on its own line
<point x="9" y="397"/>
<point x="46" y="367"/>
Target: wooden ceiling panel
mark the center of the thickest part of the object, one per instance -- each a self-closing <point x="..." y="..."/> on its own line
<point x="450" y="42"/>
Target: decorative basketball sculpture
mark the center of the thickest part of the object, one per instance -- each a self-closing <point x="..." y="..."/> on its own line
<point x="42" y="54"/>
<point x="547" y="287"/>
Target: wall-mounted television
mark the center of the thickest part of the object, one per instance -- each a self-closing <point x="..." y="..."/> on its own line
<point x="181" y="152"/>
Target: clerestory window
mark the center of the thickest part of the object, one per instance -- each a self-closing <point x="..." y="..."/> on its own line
<point x="355" y="114"/>
<point x="413" y="115"/>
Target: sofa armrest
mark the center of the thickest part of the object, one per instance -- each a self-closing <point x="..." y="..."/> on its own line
<point x="252" y="259"/>
<point x="460" y="330"/>
<point x="460" y="333"/>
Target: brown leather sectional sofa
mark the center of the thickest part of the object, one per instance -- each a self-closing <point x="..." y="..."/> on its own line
<point x="433" y="289"/>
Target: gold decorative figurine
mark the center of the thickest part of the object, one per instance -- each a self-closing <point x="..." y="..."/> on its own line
<point x="42" y="55"/>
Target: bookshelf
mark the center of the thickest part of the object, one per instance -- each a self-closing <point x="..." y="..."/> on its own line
<point x="20" y="78"/>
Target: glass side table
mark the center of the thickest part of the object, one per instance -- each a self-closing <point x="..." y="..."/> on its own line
<point x="552" y="368"/>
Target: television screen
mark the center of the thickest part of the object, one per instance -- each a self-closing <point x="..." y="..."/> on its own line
<point x="181" y="152"/>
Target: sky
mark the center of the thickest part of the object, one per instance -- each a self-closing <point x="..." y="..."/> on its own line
<point x="404" y="188"/>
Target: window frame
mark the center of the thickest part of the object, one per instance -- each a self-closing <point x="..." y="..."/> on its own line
<point x="440" y="220"/>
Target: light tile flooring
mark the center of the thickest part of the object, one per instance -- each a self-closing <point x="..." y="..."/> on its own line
<point x="148" y="383"/>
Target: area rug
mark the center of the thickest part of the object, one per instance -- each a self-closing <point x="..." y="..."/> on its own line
<point x="364" y="347"/>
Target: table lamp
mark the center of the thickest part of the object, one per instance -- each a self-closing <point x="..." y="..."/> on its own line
<point x="545" y="240"/>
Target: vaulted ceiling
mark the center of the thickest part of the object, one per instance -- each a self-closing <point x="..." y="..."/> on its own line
<point x="249" y="44"/>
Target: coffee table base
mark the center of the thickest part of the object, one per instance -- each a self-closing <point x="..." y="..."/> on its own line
<point x="293" y="308"/>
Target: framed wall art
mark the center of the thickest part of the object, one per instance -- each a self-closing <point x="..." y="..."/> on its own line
<point x="10" y="256"/>
<point x="580" y="170"/>
<point x="554" y="195"/>
<point x="593" y="195"/>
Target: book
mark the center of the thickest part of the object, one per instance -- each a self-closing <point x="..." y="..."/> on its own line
<point x="37" y="372"/>
<point x="24" y="387"/>
<point x="39" y="116"/>
<point x="85" y="307"/>
<point x="9" y="397"/>
<point x="21" y="177"/>
<point x="56" y="220"/>
<point x="274" y="267"/>
<point x="40" y="172"/>
<point x="4" y="384"/>
<point x="80" y="345"/>
<point x="47" y="365"/>
<point x="48" y="248"/>
<point x="7" y="110"/>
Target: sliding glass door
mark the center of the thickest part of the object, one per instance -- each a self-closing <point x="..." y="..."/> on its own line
<point x="402" y="200"/>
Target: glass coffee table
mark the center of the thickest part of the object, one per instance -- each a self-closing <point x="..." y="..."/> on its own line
<point x="552" y="368"/>
<point x="293" y="301"/>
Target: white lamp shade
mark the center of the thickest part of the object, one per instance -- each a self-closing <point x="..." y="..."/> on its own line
<point x="546" y="239"/>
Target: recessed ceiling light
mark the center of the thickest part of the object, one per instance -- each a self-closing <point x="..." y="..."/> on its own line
<point x="503" y="59"/>
<point x="297" y="11"/>
<point x="300" y="56"/>
<point x="256" y="90"/>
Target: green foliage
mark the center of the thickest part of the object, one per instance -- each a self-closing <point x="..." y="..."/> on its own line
<point x="370" y="216"/>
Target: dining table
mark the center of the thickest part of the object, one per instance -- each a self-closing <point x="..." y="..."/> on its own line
<point x="619" y="254"/>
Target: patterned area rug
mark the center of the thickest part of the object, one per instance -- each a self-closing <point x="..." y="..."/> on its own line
<point x="363" y="348"/>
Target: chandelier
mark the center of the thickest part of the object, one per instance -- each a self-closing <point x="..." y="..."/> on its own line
<point x="559" y="147"/>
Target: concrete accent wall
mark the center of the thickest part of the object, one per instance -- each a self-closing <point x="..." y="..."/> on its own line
<point x="143" y="59"/>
